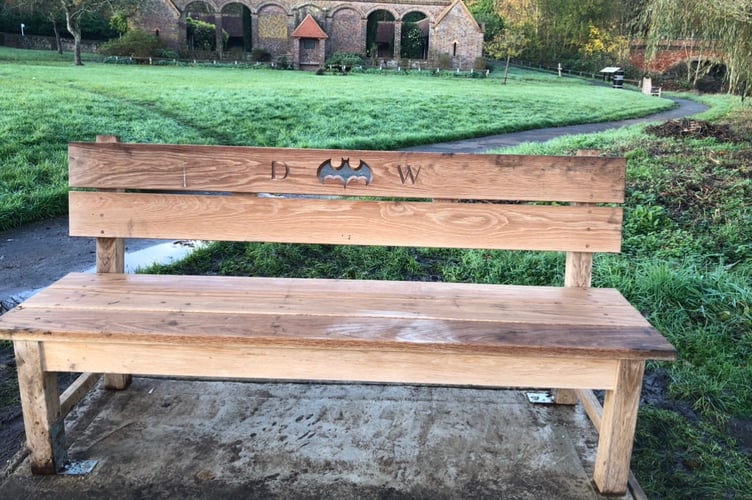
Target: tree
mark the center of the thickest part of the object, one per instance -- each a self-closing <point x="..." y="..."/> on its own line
<point x="510" y="43"/>
<point x="119" y="22"/>
<point x="73" y="11"/>
<point x="486" y="13"/>
<point x="719" y="27"/>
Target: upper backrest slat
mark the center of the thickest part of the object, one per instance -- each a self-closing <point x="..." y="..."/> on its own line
<point x="363" y="173"/>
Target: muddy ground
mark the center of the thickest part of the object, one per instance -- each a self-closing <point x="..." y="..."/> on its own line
<point x="32" y="257"/>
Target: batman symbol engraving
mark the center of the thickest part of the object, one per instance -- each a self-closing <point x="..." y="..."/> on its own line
<point x="345" y="172"/>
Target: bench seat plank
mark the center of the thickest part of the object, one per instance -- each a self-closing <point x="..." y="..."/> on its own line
<point x="341" y="314"/>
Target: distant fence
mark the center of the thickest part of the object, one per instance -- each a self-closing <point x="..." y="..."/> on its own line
<point x="594" y="75"/>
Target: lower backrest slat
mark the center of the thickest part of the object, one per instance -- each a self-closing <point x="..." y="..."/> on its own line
<point x="345" y="221"/>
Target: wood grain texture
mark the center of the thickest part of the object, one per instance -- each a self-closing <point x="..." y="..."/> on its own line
<point x="616" y="433"/>
<point x="574" y="337"/>
<point x="293" y="171"/>
<point x="302" y="362"/>
<point x="351" y="222"/>
<point x="110" y="255"/>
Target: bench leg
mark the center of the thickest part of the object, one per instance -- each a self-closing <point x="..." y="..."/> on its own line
<point x="565" y="397"/>
<point x="617" y="429"/>
<point x="40" y="400"/>
<point x="111" y="259"/>
<point x="116" y="381"/>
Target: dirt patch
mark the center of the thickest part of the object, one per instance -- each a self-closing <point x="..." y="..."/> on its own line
<point x="12" y="434"/>
<point x="11" y="422"/>
<point x="693" y="129"/>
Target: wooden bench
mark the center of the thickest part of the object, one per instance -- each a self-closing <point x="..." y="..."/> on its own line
<point x="574" y="338"/>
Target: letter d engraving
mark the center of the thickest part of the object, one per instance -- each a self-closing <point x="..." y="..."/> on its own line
<point x="280" y="170"/>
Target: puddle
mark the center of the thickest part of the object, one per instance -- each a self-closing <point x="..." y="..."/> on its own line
<point x="163" y="253"/>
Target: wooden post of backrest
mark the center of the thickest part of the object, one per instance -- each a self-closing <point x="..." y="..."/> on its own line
<point x="111" y="259"/>
<point x="577" y="273"/>
<point x="579" y="267"/>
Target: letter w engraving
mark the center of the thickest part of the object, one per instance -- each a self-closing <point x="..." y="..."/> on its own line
<point x="408" y="174"/>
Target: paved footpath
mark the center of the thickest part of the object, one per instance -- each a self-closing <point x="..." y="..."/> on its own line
<point x="483" y="144"/>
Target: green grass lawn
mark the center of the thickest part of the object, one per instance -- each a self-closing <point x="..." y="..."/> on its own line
<point x="50" y="103"/>
<point x="687" y="250"/>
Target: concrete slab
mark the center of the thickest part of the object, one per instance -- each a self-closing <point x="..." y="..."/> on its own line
<point x="165" y="438"/>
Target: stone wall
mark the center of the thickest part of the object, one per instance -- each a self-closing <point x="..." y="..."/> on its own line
<point x="46" y="43"/>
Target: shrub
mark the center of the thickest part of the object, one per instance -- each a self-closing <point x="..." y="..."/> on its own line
<point x="135" y="44"/>
<point x="345" y="59"/>
<point x="168" y="54"/>
<point x="283" y="63"/>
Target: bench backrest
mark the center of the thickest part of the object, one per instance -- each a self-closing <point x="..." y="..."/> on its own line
<point x="345" y="197"/>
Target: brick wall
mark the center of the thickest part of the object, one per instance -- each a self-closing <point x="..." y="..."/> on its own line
<point x="461" y="40"/>
<point x="667" y="56"/>
<point x="272" y="21"/>
<point x="346" y="30"/>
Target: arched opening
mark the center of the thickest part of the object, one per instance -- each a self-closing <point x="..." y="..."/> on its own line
<point x="236" y="21"/>
<point x="380" y="34"/>
<point x="705" y="75"/>
<point x="415" y="32"/>
<point x="201" y="28"/>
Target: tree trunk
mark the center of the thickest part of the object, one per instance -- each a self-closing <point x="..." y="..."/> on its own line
<point x="506" y="69"/>
<point x="58" y="42"/>
<point x="77" y="49"/>
<point x="74" y="28"/>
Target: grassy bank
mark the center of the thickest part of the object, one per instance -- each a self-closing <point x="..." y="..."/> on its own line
<point x="50" y="103"/>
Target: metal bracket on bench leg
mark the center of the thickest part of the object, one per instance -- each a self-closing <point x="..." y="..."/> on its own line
<point x="77" y="468"/>
<point x="540" y="398"/>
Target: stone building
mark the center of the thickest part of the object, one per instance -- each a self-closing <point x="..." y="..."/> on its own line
<point x="306" y="32"/>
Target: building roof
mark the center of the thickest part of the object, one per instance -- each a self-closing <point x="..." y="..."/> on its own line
<point x="309" y="28"/>
<point x="463" y="9"/>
